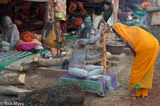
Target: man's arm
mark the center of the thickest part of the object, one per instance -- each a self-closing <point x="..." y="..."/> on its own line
<point x="91" y="40"/>
<point x="95" y="38"/>
<point x="91" y="57"/>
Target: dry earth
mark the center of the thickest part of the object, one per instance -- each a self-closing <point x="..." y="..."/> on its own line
<point x="119" y="97"/>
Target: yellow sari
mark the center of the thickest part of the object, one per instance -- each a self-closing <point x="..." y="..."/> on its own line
<point x="146" y="47"/>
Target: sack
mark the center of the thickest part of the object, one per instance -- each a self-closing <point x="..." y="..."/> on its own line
<point x="51" y="38"/>
<point x="155" y="16"/>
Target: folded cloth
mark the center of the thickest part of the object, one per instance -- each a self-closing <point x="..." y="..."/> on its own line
<point x="38" y="48"/>
<point x="26" y="46"/>
<point x="100" y="86"/>
<point x="20" y="42"/>
<point x="27" y="36"/>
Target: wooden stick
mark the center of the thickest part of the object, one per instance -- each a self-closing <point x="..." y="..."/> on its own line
<point x="104" y="55"/>
<point x="115" y="9"/>
<point x="115" y="17"/>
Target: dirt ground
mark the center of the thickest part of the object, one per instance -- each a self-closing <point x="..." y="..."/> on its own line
<point x="121" y="97"/>
<point x="118" y="97"/>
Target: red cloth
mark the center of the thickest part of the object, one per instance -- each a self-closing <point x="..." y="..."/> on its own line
<point x="27" y="37"/>
<point x="26" y="47"/>
<point x="64" y="40"/>
<point x="20" y="42"/>
<point x="78" y="22"/>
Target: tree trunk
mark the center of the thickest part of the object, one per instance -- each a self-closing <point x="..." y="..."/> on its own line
<point x="50" y="72"/>
<point x="50" y="62"/>
<point x="41" y="62"/>
<point x="10" y="78"/>
<point x="64" y="95"/>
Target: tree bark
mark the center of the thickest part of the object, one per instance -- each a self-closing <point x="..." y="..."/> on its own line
<point x="64" y="95"/>
<point x="49" y="62"/>
<point x="50" y="72"/>
<point x="10" y="78"/>
<point x="41" y="62"/>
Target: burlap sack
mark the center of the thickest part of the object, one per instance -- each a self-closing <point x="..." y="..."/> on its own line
<point x="155" y="18"/>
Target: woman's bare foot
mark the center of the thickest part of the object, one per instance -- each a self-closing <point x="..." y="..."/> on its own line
<point x="132" y="93"/>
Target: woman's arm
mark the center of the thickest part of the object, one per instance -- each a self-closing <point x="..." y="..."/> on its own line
<point x="131" y="47"/>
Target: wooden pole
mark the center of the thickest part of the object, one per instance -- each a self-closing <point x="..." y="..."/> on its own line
<point x="115" y="17"/>
<point x="104" y="55"/>
<point x="115" y="9"/>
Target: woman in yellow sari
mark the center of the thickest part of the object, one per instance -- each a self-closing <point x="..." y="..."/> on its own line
<point x="144" y="47"/>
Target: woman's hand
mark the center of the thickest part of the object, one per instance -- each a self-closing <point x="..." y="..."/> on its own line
<point x="134" y="52"/>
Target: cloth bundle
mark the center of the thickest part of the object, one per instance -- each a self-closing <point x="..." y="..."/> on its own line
<point x="27" y="42"/>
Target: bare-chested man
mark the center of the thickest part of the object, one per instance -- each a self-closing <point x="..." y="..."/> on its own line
<point x="10" y="34"/>
<point x="80" y="52"/>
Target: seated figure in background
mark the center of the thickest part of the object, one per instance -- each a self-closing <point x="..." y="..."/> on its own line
<point x="10" y="34"/>
<point x="80" y="53"/>
<point x="87" y="27"/>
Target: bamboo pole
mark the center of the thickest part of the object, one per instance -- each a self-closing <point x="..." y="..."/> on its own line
<point x="115" y="9"/>
<point x="104" y="55"/>
<point x="115" y="17"/>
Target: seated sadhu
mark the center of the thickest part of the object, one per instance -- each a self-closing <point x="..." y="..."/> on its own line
<point x="144" y="47"/>
<point x="10" y="34"/>
<point x="80" y="52"/>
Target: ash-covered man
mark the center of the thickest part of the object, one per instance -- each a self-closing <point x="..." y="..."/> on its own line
<point x="80" y="52"/>
<point x="10" y="34"/>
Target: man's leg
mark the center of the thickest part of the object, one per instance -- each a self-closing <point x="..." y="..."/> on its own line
<point x="92" y="67"/>
<point x="4" y="46"/>
<point x="94" y="70"/>
<point x="77" y="72"/>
